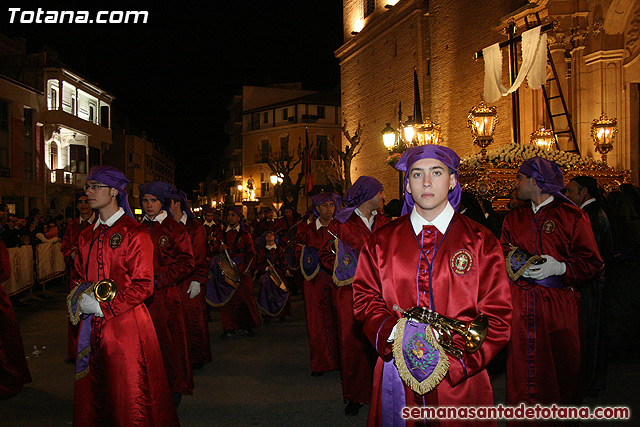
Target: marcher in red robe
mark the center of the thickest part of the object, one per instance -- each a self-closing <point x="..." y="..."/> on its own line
<point x="241" y="311"/>
<point x="436" y="258"/>
<point x="319" y="293"/>
<point x="68" y="247"/>
<point x="124" y="380"/>
<point x="268" y="223"/>
<point x="212" y="229"/>
<point x="286" y="229"/>
<point x="14" y="372"/>
<point x="172" y="263"/>
<point x="543" y="359"/>
<point x="193" y="302"/>
<point x="272" y="300"/>
<point x="353" y="225"/>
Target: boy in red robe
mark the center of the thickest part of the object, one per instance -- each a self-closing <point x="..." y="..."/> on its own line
<point x="120" y="375"/>
<point x="193" y="303"/>
<point x="353" y="225"/>
<point x="438" y="259"/>
<point x="172" y="263"/>
<point x="543" y="358"/>
<point x="319" y="291"/>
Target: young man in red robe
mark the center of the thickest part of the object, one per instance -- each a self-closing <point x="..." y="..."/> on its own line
<point x="193" y="303"/>
<point x="319" y="291"/>
<point x="438" y="259"/>
<point x="211" y="228"/>
<point x="68" y="248"/>
<point x="120" y="375"/>
<point x="14" y="372"/>
<point x="240" y="312"/>
<point x="543" y="358"/>
<point x="172" y="264"/>
<point x="360" y="216"/>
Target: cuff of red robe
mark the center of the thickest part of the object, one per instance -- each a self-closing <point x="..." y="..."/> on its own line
<point x="383" y="347"/>
<point x="457" y="371"/>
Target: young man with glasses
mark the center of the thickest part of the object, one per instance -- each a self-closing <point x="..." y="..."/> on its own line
<point x="120" y="376"/>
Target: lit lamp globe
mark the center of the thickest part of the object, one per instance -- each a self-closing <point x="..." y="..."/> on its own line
<point x="603" y="130"/>
<point x="432" y="132"/>
<point x="482" y="121"/>
<point x="389" y="137"/>
<point x="544" y="138"/>
<point x="273" y="178"/>
<point x="409" y="131"/>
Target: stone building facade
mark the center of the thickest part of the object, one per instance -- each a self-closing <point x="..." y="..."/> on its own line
<point x="594" y="48"/>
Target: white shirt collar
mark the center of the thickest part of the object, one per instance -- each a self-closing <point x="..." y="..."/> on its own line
<point x="367" y="222"/>
<point x="160" y="217"/>
<point x="209" y="224"/>
<point x="319" y="224"/>
<point x="90" y="219"/>
<point x="229" y="228"/>
<point x="183" y="219"/>
<point x="274" y="246"/>
<point x="441" y="222"/>
<point x="111" y="220"/>
<point x="545" y="203"/>
<point x="586" y="202"/>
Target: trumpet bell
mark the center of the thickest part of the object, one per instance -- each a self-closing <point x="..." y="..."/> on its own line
<point x="476" y="333"/>
<point x="105" y="290"/>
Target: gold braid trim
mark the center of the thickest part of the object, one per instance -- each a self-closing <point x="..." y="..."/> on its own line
<point x="85" y="372"/>
<point x="515" y="276"/>
<point x="312" y="275"/>
<point x="75" y="317"/>
<point x="345" y="282"/>
<point x="438" y="374"/>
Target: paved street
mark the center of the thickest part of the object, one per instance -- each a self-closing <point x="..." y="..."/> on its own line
<point x="259" y="381"/>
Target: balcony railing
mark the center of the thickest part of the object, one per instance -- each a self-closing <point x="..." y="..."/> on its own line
<point x="61" y="176"/>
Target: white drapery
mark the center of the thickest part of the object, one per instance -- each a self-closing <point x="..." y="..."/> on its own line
<point x="534" y="63"/>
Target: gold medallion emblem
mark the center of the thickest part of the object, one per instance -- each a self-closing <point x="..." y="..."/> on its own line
<point x="549" y="226"/>
<point x="163" y="241"/>
<point x="115" y="240"/>
<point x="461" y="262"/>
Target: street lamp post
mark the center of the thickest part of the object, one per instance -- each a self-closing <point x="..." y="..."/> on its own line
<point x="276" y="181"/>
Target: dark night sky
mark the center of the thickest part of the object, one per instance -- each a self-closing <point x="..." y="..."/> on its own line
<point x="174" y="76"/>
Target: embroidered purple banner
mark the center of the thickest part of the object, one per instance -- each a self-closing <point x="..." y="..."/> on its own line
<point x="345" y="264"/>
<point x="309" y="262"/>
<point x="217" y="292"/>
<point x="271" y="299"/>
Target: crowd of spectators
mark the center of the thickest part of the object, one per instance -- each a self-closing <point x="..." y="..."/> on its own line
<point x="32" y="230"/>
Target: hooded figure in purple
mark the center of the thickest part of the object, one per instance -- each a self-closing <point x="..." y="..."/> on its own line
<point x="351" y="227"/>
<point x="436" y="258"/>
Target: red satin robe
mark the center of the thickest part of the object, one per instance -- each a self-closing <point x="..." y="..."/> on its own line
<point x="127" y="382"/>
<point x="241" y="311"/>
<point x="320" y="305"/>
<point x="357" y="357"/>
<point x="172" y="263"/>
<point x="68" y="247"/>
<point x="543" y="361"/>
<point x="14" y="371"/>
<point x="392" y="270"/>
<point x="195" y="309"/>
<point x="211" y="230"/>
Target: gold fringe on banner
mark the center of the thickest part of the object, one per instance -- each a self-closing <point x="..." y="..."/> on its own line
<point x="438" y="374"/>
<point x="312" y="275"/>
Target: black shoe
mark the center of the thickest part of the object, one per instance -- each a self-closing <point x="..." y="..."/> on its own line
<point x="249" y="332"/>
<point x="198" y="365"/>
<point x="352" y="408"/>
<point x="317" y="373"/>
<point x="176" y="397"/>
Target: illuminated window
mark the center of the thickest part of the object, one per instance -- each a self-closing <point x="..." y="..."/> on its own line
<point x="78" y="158"/>
<point x="53" y="87"/>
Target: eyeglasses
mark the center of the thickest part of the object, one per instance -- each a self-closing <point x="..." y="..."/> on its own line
<point x="94" y="187"/>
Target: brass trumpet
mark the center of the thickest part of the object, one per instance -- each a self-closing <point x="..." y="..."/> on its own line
<point x="473" y="333"/>
<point x="104" y="290"/>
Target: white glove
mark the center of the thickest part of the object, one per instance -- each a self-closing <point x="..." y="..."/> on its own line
<point x="393" y="333"/>
<point x="90" y="305"/>
<point x="194" y="289"/>
<point x="551" y="267"/>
